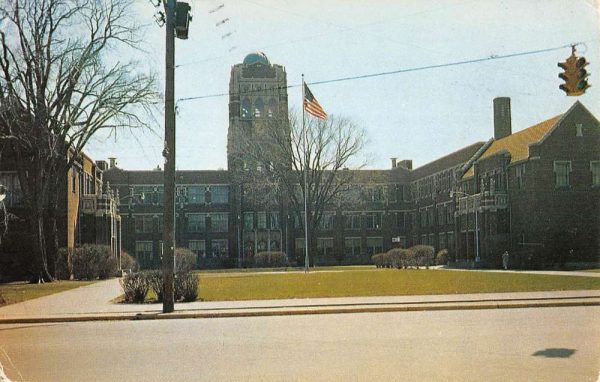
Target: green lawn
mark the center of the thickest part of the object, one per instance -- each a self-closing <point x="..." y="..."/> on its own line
<point x="18" y="292"/>
<point x="377" y="282"/>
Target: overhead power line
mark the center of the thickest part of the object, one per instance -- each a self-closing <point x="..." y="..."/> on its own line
<point x="407" y="70"/>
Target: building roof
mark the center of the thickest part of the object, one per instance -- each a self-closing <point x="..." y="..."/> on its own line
<point x="517" y="144"/>
<point x="446" y="162"/>
<point x="255" y="57"/>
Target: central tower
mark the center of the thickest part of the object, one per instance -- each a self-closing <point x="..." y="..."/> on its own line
<point x="257" y="93"/>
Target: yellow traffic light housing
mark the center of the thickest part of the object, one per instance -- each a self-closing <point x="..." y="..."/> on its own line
<point x="574" y="75"/>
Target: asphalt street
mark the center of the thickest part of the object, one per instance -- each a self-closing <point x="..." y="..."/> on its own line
<point x="534" y="344"/>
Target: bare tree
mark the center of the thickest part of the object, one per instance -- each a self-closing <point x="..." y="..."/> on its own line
<point x="290" y="159"/>
<point x="59" y="86"/>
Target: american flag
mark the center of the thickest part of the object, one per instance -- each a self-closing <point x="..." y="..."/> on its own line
<point x="311" y="105"/>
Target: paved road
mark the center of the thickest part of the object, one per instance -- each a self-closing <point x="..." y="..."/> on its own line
<point x="547" y="344"/>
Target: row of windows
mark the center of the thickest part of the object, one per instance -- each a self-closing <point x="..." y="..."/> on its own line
<point x="258" y="109"/>
<point x="372" y="220"/>
<point x="145" y="251"/>
<point x="264" y="220"/>
<point x="445" y="215"/>
<point x="200" y="194"/>
<point x="562" y="172"/>
<point x="215" y="222"/>
<point x="352" y="246"/>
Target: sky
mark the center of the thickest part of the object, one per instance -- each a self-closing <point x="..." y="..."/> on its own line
<point x="420" y="115"/>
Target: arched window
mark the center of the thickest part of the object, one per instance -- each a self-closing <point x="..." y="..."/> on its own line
<point x="272" y="110"/>
<point x="245" y="108"/>
<point x="259" y="106"/>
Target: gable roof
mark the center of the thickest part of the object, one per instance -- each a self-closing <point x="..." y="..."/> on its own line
<point x="446" y="162"/>
<point x="517" y="144"/>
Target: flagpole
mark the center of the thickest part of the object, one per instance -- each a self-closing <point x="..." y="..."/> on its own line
<point x="305" y="184"/>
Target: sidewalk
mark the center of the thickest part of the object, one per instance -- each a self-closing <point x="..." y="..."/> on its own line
<point x="95" y="302"/>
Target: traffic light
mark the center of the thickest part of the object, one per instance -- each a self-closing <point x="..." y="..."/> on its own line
<point x="182" y="20"/>
<point x="574" y="75"/>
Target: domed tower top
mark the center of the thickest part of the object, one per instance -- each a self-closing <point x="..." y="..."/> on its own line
<point x="256" y="57"/>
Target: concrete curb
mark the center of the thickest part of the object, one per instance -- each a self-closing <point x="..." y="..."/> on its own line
<point x="407" y="307"/>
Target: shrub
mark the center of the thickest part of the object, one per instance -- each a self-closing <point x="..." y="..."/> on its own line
<point x="135" y="286"/>
<point x="382" y="260"/>
<point x="442" y="257"/>
<point x="185" y="260"/>
<point x="62" y="267"/>
<point x="377" y="260"/>
<point x="270" y="259"/>
<point x="186" y="287"/>
<point x="423" y="255"/>
<point x="128" y="263"/>
<point x="155" y="282"/>
<point x="93" y="261"/>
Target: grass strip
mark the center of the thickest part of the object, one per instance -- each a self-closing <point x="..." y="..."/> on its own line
<point x="379" y="282"/>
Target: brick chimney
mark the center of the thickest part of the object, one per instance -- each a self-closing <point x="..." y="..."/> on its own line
<point x="502" y="119"/>
<point x="393" y="162"/>
<point x="113" y="162"/>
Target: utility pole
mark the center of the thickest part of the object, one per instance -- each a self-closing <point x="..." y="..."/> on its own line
<point x="169" y="170"/>
<point x="177" y="21"/>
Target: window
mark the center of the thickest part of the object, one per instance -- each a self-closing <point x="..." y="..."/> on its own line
<point x="401" y="219"/>
<point x="261" y="220"/>
<point x="373" y="220"/>
<point x="143" y="223"/>
<point x="195" y="194"/>
<point x="299" y="247"/>
<point x="143" y="252"/>
<point x="430" y="216"/>
<point x="442" y="237"/>
<point x="374" y="194"/>
<point x="562" y="170"/>
<point x="595" y="168"/>
<point x="196" y="223"/>
<point x="352" y="221"/>
<point x="160" y="222"/>
<point x="441" y="215"/>
<point x="272" y="111"/>
<point x="520" y="172"/>
<point x="431" y="240"/>
<point x="274" y="220"/>
<point x="219" y="194"/>
<point x="248" y="220"/>
<point x="10" y="180"/>
<point x="325" y="246"/>
<point x="352" y="246"/>
<point x="450" y="236"/>
<point x="449" y="214"/>
<point x="579" y="129"/>
<point x="220" y="248"/>
<point x="219" y="222"/>
<point x="198" y="247"/>
<point x="423" y="217"/>
<point x="374" y="245"/>
<point x="258" y="107"/>
<point x="245" y="109"/>
<point x="299" y="223"/>
<point x="327" y="221"/>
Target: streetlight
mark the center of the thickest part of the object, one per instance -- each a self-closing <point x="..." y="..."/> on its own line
<point x="454" y="192"/>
